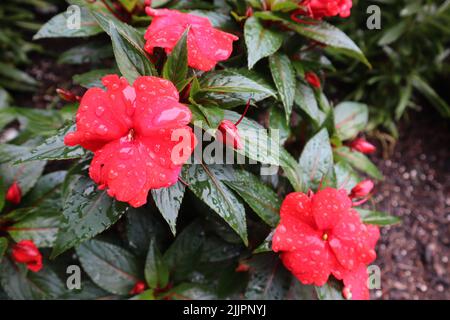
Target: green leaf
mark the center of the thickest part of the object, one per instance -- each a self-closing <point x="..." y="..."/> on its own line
<point x="283" y="75"/>
<point x="87" y="212"/>
<point x="3" y="247"/>
<point x="176" y="67"/>
<point x="330" y="291"/>
<point x="168" y="200"/>
<point x="19" y="284"/>
<point x="206" y="183"/>
<point x="64" y="25"/>
<point x="156" y="270"/>
<point x="129" y="5"/>
<point x="2" y="194"/>
<point x="131" y="63"/>
<point x="277" y="121"/>
<point x="54" y="148"/>
<point x="111" y="267"/>
<point x="322" y="32"/>
<point x="377" y="218"/>
<point x="260" y="41"/>
<point x="47" y="192"/>
<point x="350" y="118"/>
<point x="92" y="78"/>
<point x="393" y="33"/>
<point x="141" y="227"/>
<point x="306" y="100"/>
<point x="92" y="52"/>
<point x="26" y="174"/>
<point x="268" y="279"/>
<point x="41" y="227"/>
<point x="231" y="88"/>
<point x="424" y="88"/>
<point x="359" y="161"/>
<point x="262" y="199"/>
<point x="316" y="160"/>
<point x="346" y="177"/>
<point x="291" y="170"/>
<point x="266" y="245"/>
<point x="183" y="255"/>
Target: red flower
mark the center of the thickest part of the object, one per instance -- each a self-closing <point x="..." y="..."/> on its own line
<point x="14" y="194"/>
<point x="228" y="133"/>
<point x="139" y="287"/>
<point x="313" y="79"/>
<point x="26" y="252"/>
<point x="362" y="189"/>
<point x="206" y="45"/>
<point x="317" y="9"/>
<point x="134" y="132"/>
<point x="323" y="235"/>
<point x="362" y="146"/>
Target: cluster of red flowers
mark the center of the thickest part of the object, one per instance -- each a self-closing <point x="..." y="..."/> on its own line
<point x="321" y="235"/>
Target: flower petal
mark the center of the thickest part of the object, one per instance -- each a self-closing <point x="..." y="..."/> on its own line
<point x="298" y="205"/>
<point x="102" y="116"/>
<point x="356" y="281"/>
<point x="157" y="106"/>
<point x="329" y="206"/>
<point x="354" y="242"/>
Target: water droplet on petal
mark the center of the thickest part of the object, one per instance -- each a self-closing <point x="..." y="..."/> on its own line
<point x="99" y="111"/>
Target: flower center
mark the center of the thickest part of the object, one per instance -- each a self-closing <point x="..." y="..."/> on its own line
<point x="130" y="135"/>
<point x="325" y="236"/>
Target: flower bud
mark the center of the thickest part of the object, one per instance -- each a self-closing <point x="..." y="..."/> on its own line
<point x="242" y="267"/>
<point x="66" y="95"/>
<point x="346" y="292"/>
<point x="26" y="252"/>
<point x="362" y="146"/>
<point x="138" y="288"/>
<point x="14" y="194"/>
<point x="362" y="189"/>
<point x="229" y="135"/>
<point x="313" y="79"/>
<point x="249" y="12"/>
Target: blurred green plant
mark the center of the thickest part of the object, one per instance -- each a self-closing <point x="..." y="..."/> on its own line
<point x="409" y="54"/>
<point x="17" y="19"/>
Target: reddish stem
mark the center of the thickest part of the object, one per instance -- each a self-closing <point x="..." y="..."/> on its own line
<point x="244" y="113"/>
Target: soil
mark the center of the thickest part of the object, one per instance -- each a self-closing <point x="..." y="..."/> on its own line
<point x="414" y="256"/>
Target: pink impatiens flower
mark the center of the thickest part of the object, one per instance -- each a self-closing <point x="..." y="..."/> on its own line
<point x="139" y="136"/>
<point x="322" y="235"/>
<point x="206" y="45"/>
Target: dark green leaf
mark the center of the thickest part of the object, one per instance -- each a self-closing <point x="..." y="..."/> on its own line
<point x="283" y="75"/>
<point x="359" y="161"/>
<point x="156" y="270"/>
<point x="263" y="200"/>
<point x="277" y="121"/>
<point x="205" y="182"/>
<point x="111" y="267"/>
<point x="87" y="212"/>
<point x="330" y="291"/>
<point x="377" y="218"/>
<point x="168" y="200"/>
<point x="64" y="25"/>
<point x="350" y="118"/>
<point x="268" y="279"/>
<point x="231" y="88"/>
<point x="306" y="100"/>
<point x="176" y="67"/>
<point x="316" y="160"/>
<point x="260" y="41"/>
<point x="3" y="247"/>
<point x="54" y="148"/>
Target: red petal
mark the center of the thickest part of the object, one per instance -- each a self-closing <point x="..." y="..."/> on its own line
<point x="356" y="282"/>
<point x="354" y="242"/>
<point x="206" y="45"/>
<point x="157" y="106"/>
<point x="328" y="207"/>
<point x="298" y="205"/>
<point x="102" y="116"/>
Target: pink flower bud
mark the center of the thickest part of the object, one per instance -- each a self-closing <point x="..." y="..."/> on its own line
<point x="362" y="146"/>
<point x="66" y="95"/>
<point x="362" y="189"/>
<point x="138" y="288"/>
<point x="14" y="194"/>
